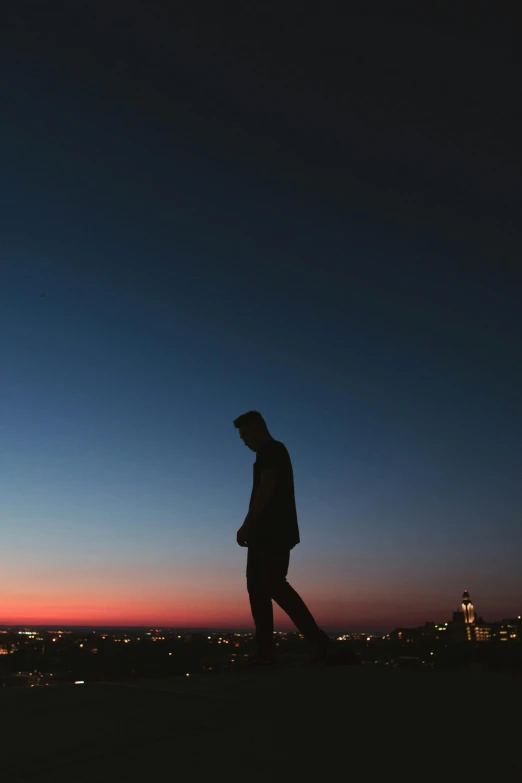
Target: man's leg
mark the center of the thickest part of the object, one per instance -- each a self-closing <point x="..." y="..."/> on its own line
<point x="275" y="566"/>
<point x="260" y="602"/>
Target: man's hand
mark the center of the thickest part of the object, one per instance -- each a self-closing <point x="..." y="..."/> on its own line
<point x="241" y="536"/>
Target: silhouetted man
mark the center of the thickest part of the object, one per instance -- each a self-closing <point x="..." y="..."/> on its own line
<point x="270" y="531"/>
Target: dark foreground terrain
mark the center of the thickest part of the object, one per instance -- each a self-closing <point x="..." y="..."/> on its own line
<point x="297" y="723"/>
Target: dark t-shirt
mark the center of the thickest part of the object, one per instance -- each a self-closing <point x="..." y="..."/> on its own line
<point x="277" y="526"/>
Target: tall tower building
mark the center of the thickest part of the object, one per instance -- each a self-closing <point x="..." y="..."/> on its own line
<point x="467" y="608"/>
<point x="466" y="624"/>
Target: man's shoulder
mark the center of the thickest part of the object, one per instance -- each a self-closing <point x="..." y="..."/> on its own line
<point x="278" y="447"/>
<point x="277" y="451"/>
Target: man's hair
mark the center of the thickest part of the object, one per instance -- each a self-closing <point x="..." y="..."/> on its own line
<point x="251" y="419"/>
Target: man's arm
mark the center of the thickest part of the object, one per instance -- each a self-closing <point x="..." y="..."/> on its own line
<point x="260" y="499"/>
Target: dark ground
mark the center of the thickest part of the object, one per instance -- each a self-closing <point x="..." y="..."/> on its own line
<point x="284" y="724"/>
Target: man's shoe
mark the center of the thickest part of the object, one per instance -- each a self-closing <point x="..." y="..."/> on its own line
<point x="321" y="648"/>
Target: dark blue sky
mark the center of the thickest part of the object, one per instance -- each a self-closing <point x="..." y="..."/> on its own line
<point x="185" y="281"/>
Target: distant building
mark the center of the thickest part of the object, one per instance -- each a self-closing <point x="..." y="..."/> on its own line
<point x="507" y="630"/>
<point x="406" y="635"/>
<point x="466" y="626"/>
<point x="466" y="612"/>
<point x="467" y="608"/>
<point x="482" y="633"/>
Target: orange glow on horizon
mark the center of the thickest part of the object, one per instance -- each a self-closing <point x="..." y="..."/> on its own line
<point x="227" y="606"/>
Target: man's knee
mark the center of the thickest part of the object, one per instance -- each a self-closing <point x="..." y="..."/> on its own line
<point x="278" y="587"/>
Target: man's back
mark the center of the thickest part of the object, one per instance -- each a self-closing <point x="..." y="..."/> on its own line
<point x="277" y="527"/>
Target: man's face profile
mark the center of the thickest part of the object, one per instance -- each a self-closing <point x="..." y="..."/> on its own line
<point x="248" y="437"/>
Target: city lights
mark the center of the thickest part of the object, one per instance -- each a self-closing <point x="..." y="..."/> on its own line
<point x="42" y="657"/>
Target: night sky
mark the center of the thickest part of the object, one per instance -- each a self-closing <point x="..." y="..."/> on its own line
<point x="223" y="209"/>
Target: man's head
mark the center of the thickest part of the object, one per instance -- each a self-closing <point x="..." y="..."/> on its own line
<point x="252" y="430"/>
